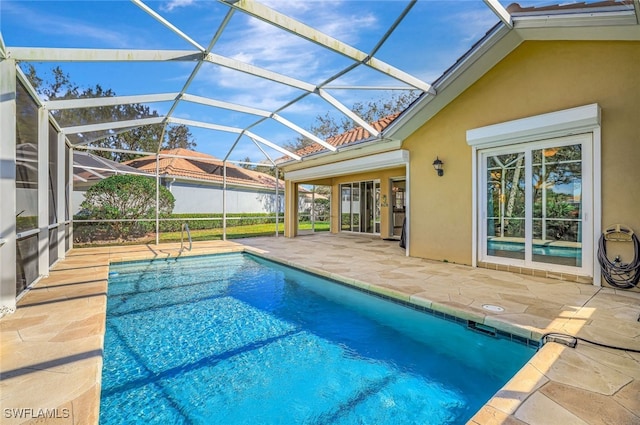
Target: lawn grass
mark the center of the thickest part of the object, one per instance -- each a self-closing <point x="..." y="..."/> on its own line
<point x="233" y="232"/>
<point x="237" y="232"/>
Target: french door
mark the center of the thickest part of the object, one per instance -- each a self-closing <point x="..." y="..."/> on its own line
<point x="536" y="205"/>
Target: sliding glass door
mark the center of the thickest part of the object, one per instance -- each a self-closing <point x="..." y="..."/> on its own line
<point x="536" y="200"/>
<point x="360" y="207"/>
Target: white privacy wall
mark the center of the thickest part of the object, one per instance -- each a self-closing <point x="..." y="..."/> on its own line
<point x="192" y="198"/>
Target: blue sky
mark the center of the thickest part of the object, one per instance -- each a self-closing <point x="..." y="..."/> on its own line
<point x="429" y="40"/>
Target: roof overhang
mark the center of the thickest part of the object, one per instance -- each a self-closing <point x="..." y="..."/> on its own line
<point x="344" y="153"/>
<point x="380" y="161"/>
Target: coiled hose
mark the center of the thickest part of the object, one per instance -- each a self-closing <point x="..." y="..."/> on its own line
<point x="617" y="273"/>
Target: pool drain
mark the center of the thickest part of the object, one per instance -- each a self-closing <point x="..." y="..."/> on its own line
<point x="494" y="308"/>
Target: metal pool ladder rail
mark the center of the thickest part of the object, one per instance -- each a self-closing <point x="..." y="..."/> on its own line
<point x="185" y="226"/>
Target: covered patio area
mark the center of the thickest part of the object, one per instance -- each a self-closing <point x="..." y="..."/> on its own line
<point x="52" y="346"/>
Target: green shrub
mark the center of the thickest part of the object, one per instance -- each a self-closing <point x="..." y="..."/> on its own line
<point x="214" y="220"/>
<point x="121" y="197"/>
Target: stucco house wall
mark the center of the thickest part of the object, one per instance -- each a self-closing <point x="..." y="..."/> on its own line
<point x="538" y="77"/>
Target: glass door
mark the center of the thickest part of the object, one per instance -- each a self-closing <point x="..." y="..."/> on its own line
<point x="557" y="205"/>
<point x="505" y="196"/>
<point x="355" y="207"/>
<point x="360" y="207"/>
<point x="345" y="207"/>
<point x="535" y="205"/>
<point x="398" y="206"/>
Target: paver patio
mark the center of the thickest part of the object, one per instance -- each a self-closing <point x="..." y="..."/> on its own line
<point x="51" y="351"/>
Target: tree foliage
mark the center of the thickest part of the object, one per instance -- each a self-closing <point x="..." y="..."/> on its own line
<point x="327" y="125"/>
<point x="247" y="166"/>
<point x="126" y="197"/>
<point x="149" y="138"/>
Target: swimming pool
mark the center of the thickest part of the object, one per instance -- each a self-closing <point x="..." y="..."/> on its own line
<point x="235" y="339"/>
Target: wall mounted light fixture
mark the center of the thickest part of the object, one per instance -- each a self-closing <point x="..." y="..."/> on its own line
<point x="437" y="164"/>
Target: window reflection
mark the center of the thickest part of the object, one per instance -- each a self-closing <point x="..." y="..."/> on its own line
<point x="26" y="161"/>
<point x="26" y="188"/>
<point x="506" y="205"/>
<point x="26" y="262"/>
<point x="557" y="205"/>
<point x="53" y="246"/>
<point x="554" y="205"/>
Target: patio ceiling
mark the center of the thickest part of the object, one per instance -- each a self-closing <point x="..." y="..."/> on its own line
<point x="200" y="69"/>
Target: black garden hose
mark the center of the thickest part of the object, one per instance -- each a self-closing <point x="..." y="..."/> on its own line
<point x="617" y="273"/>
<point x="572" y="341"/>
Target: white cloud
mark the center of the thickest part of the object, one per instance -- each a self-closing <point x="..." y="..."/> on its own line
<point x="175" y="4"/>
<point x="263" y="44"/>
<point x="258" y="43"/>
<point x="473" y="24"/>
<point x="107" y="33"/>
<point x="52" y="25"/>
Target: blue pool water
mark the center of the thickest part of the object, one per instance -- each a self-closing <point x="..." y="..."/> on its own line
<point x="234" y="339"/>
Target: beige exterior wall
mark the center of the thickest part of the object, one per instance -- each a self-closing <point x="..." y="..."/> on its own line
<point x="538" y="77"/>
<point x="290" y="209"/>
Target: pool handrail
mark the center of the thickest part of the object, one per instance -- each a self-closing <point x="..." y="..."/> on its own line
<point x="185" y="225"/>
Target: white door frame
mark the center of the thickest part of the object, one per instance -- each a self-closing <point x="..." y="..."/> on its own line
<point x="583" y="119"/>
<point x="584" y="140"/>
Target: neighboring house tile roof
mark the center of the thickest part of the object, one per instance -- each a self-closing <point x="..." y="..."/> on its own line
<point x="353" y="136"/>
<point x="190" y="164"/>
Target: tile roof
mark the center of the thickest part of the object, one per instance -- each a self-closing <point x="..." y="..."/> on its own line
<point x="200" y="166"/>
<point x="353" y="136"/>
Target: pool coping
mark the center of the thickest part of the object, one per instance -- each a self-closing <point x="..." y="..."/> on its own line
<point x="39" y="385"/>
